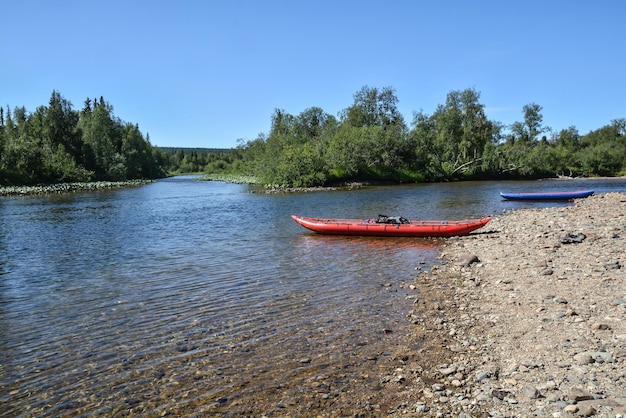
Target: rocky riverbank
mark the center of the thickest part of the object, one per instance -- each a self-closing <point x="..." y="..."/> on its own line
<point x="67" y="187"/>
<point x="530" y="314"/>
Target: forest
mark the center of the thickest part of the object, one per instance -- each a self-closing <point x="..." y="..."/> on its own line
<point x="371" y="141"/>
<point x="57" y="144"/>
<point x="367" y="141"/>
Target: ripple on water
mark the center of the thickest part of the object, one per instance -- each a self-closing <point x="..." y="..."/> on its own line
<point x="132" y="302"/>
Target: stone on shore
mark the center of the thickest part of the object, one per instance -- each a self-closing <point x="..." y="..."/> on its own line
<point x="538" y="326"/>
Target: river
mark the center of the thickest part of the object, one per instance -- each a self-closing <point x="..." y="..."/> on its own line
<point x="182" y="296"/>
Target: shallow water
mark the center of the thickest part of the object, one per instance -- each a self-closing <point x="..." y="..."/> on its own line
<point x="181" y="294"/>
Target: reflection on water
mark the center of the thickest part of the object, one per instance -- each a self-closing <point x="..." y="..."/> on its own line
<point x="180" y="294"/>
<point x="187" y="296"/>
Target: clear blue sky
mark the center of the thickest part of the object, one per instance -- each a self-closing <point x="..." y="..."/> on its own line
<point x="207" y="73"/>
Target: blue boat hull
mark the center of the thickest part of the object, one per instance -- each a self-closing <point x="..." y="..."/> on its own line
<point x="547" y="195"/>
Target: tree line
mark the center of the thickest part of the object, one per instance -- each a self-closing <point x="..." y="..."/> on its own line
<point x="371" y="140"/>
<point x="57" y="144"/>
<point x="203" y="160"/>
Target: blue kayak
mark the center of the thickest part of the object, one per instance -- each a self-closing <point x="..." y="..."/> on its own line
<point x="577" y="194"/>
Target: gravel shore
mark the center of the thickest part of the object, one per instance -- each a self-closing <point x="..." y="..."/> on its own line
<point x="60" y="188"/>
<point x="531" y="317"/>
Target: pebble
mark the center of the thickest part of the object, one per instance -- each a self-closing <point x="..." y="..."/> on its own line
<point x="68" y="187"/>
<point x="543" y="308"/>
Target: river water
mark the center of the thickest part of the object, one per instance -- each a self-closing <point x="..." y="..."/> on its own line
<point x="181" y="295"/>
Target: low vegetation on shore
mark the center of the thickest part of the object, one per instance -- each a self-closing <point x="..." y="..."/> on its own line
<point x="231" y="178"/>
<point x="68" y="187"/>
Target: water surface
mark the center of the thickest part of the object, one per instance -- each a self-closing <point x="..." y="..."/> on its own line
<point x="181" y="295"/>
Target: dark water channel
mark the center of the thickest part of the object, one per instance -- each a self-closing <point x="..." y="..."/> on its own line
<point x="182" y="294"/>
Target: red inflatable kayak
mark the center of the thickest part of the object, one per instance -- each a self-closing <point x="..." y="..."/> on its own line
<point x="390" y="227"/>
